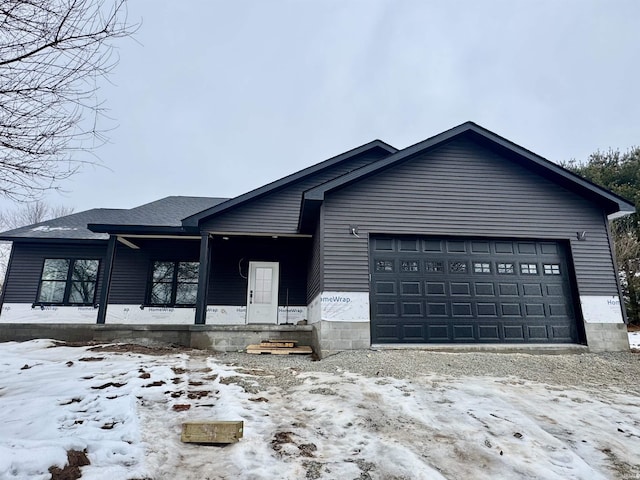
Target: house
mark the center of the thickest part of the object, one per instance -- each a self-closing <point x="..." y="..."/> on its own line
<point x="463" y="238"/>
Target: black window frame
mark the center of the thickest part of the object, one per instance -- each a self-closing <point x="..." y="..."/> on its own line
<point x="174" y="284"/>
<point x="68" y="282"/>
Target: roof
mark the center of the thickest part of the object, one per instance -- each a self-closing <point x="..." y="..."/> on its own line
<point x="177" y="215"/>
<point x="69" y="227"/>
<point x="166" y="212"/>
<point x="613" y="204"/>
<point x="194" y="220"/>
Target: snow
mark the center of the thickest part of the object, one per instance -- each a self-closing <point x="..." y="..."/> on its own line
<point x="330" y="425"/>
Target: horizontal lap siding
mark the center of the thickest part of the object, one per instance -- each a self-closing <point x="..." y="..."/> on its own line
<point x="462" y="189"/>
<point x="23" y="278"/>
<point x="131" y="268"/>
<point x="230" y="264"/>
<point x="278" y="212"/>
<point x="314" y="276"/>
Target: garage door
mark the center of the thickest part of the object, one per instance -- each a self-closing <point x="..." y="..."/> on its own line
<point x="436" y="290"/>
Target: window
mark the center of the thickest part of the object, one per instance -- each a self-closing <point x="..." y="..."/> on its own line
<point x="551" y="269"/>
<point x="505" y="268"/>
<point x="528" y="268"/>
<point x="384" y="266"/>
<point x="68" y="281"/>
<point x="481" y="267"/>
<point x="174" y="283"/>
<point x="458" y="267"/>
<point x="409" y="265"/>
<point x="434" y="266"/>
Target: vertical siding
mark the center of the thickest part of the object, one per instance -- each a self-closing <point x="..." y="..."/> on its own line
<point x="462" y="189"/>
<point x="278" y="212"/>
<point x="23" y="277"/>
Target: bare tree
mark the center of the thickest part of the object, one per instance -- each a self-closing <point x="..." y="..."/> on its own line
<point x="52" y="53"/>
<point x="25" y="214"/>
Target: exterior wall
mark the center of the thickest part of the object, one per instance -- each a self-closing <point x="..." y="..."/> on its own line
<point x="131" y="268"/>
<point x="23" y="279"/>
<point x="314" y="275"/>
<point x="230" y="262"/>
<point x="464" y="189"/>
<point x="278" y="211"/>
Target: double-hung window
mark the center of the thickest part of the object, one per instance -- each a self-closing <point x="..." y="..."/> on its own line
<point x="173" y="283"/>
<point x="68" y="281"/>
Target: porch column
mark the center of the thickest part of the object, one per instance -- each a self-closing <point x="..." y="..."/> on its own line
<point x="106" y="280"/>
<point x="203" y="279"/>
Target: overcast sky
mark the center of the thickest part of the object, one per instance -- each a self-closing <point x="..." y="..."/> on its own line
<point x="217" y="98"/>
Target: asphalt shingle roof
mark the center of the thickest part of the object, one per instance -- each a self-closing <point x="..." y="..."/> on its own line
<point x="168" y="211"/>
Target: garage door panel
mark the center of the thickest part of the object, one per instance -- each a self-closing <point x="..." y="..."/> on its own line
<point x="514" y="332"/>
<point x="411" y="288"/>
<point x="437" y="310"/>
<point x="487" y="309"/>
<point x="410" y="309"/>
<point x="534" y="309"/>
<point x="438" y="332"/>
<point x="414" y="332"/>
<point x="489" y="333"/>
<point x="483" y="289"/>
<point x="386" y="309"/>
<point x="538" y="333"/>
<point x="385" y="288"/>
<point x="475" y="290"/>
<point x="461" y="309"/>
<point x="532" y="290"/>
<point x="463" y="332"/>
<point x="460" y="288"/>
<point x="435" y="288"/>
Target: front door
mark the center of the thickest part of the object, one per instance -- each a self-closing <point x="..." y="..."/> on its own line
<point x="262" y="295"/>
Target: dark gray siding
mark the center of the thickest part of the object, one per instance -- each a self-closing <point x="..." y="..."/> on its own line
<point x="314" y="275"/>
<point x="230" y="262"/>
<point x="278" y="212"/>
<point x="131" y="268"/>
<point x="462" y="189"/>
<point x="23" y="276"/>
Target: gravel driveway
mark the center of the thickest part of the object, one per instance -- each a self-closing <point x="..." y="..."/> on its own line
<point x="621" y="370"/>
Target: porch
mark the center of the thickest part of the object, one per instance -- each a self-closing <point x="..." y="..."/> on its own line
<point x="217" y="338"/>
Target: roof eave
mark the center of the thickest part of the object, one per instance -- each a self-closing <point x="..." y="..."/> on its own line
<point x="140" y="229"/>
<point x="194" y="220"/>
<point x="610" y="201"/>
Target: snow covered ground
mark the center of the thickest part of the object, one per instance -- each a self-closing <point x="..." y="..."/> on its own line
<point x="126" y="408"/>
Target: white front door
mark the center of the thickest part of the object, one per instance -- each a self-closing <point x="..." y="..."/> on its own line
<point x="262" y="295"/>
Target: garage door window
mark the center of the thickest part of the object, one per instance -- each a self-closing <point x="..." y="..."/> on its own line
<point x="384" y="266"/>
<point x="528" y="268"/>
<point x="434" y="267"/>
<point x="505" y="269"/>
<point x="551" y="269"/>
<point x="458" y="267"/>
<point x="481" y="267"/>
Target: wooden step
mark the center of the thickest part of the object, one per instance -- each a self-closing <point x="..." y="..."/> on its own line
<point x="259" y="349"/>
<point x="278" y="343"/>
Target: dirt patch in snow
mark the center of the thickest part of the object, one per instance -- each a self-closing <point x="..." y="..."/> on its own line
<point x="71" y="471"/>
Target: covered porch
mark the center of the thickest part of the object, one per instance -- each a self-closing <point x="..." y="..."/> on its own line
<point x="217" y="278"/>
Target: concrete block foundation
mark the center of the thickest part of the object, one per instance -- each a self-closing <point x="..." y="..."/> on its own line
<point x="607" y="337"/>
